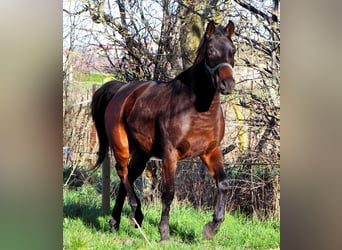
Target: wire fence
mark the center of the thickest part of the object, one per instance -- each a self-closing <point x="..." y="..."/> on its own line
<point x="254" y="186"/>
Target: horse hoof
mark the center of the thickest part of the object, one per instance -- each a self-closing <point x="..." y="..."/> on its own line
<point x="113" y="224"/>
<point x="139" y="217"/>
<point x="210" y="229"/>
<point x="133" y="221"/>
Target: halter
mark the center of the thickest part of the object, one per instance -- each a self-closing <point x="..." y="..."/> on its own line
<point x="213" y="69"/>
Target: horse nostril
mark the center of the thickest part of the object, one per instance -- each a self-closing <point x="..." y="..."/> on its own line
<point x="226" y="86"/>
<point x="222" y="85"/>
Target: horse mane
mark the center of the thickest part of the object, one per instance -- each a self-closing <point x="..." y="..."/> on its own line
<point x="200" y="52"/>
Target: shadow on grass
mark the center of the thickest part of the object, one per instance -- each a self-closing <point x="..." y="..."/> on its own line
<point x="187" y="235"/>
<point x="86" y="212"/>
<point x="90" y="214"/>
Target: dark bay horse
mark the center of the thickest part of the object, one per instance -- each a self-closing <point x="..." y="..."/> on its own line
<point x="171" y="120"/>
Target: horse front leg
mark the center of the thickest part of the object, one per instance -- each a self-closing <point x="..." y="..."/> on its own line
<point x="168" y="192"/>
<point x="214" y="161"/>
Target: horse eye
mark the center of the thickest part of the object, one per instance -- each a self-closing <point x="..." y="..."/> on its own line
<point x="211" y="51"/>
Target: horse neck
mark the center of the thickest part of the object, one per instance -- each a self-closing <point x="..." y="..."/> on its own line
<point x="200" y="83"/>
<point x="206" y="95"/>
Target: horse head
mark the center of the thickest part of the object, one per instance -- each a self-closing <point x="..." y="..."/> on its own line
<point x="217" y="51"/>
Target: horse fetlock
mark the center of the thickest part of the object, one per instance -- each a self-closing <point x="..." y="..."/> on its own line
<point x="134" y="205"/>
<point x="218" y="218"/>
<point x="114" y="224"/>
<point x="223" y="186"/>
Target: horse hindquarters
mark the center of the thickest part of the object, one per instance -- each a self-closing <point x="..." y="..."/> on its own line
<point x="100" y="100"/>
<point x="128" y="166"/>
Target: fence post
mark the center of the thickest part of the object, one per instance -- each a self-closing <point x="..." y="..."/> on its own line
<point x="106" y="184"/>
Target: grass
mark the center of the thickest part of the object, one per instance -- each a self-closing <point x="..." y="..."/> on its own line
<point x="85" y="226"/>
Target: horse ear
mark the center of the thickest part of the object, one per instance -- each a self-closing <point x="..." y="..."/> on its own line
<point x="210" y="29"/>
<point x="230" y="28"/>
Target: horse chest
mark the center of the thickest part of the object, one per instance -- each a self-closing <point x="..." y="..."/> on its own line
<point x="198" y="141"/>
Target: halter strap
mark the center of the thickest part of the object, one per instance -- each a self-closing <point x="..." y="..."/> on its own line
<point x="213" y="69"/>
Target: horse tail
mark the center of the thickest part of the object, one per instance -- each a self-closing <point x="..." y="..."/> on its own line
<point x="99" y="102"/>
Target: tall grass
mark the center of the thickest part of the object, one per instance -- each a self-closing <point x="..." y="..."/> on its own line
<point x="86" y="227"/>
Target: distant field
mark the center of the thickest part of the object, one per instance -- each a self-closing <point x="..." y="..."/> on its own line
<point x="95" y="77"/>
<point x="82" y="83"/>
<point x="85" y="226"/>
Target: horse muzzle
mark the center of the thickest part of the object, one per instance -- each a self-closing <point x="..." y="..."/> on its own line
<point x="226" y="86"/>
<point x="222" y="77"/>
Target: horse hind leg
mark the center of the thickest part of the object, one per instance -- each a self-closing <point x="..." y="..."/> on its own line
<point x="135" y="168"/>
<point x="118" y="141"/>
<point x="124" y="189"/>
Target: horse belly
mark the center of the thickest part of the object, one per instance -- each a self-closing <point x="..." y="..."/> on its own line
<point x="141" y="129"/>
<point x="142" y="137"/>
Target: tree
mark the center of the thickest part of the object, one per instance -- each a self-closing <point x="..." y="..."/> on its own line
<point x="260" y="34"/>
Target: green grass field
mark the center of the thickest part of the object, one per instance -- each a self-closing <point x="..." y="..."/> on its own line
<point x="85" y="226"/>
